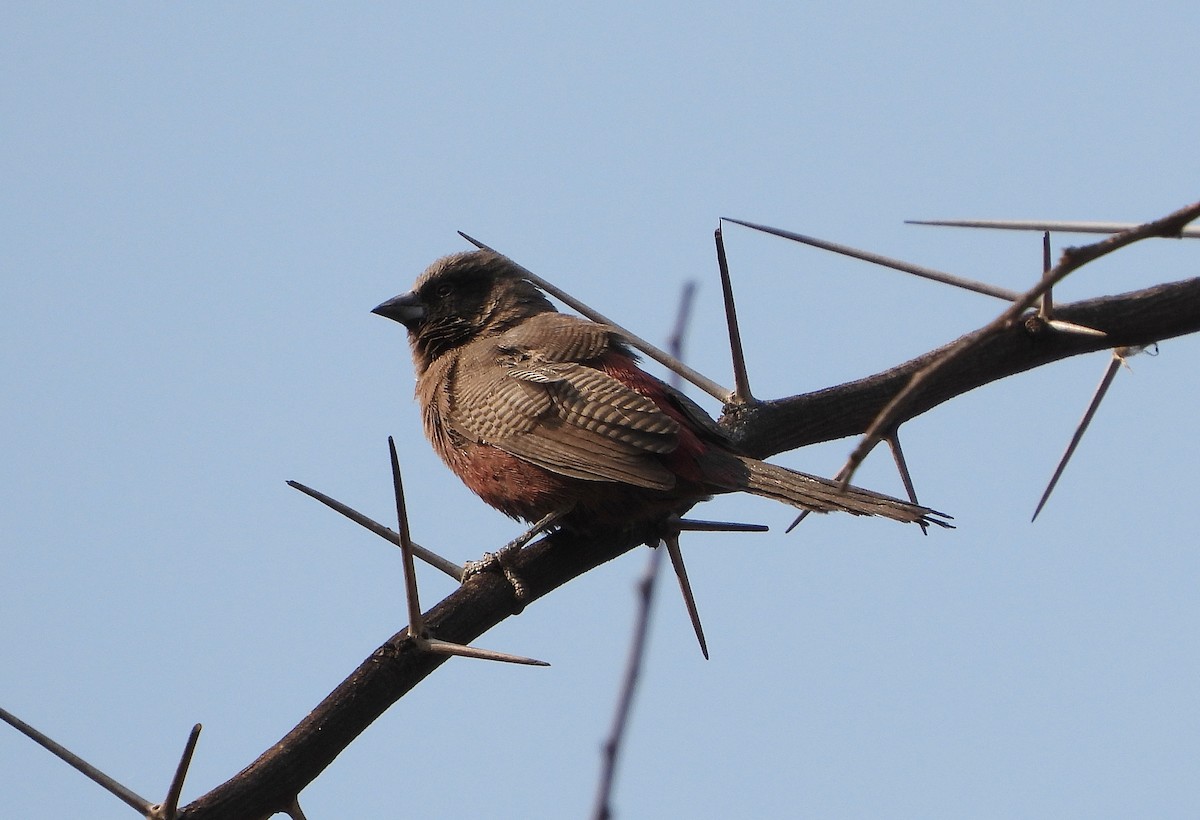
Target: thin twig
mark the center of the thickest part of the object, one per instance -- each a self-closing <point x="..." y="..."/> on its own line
<point x="1072" y="260"/>
<point x="641" y="624"/>
<point x="682" y="316"/>
<point x="633" y="669"/>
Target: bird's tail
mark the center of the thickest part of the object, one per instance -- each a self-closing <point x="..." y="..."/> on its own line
<point x="809" y="492"/>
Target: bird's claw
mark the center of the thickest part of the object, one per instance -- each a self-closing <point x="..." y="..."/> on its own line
<point x="501" y="559"/>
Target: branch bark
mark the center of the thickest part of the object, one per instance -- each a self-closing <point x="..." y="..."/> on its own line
<point x="269" y="784"/>
<point x="1136" y="318"/>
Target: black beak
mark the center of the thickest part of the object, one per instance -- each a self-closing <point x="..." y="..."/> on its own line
<point x="405" y="309"/>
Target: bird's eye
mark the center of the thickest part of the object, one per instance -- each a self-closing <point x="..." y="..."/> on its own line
<point x="442" y="291"/>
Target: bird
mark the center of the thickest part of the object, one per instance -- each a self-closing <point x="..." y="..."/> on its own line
<point x="549" y="418"/>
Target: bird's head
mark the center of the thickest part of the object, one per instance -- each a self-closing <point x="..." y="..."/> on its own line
<point x="460" y="298"/>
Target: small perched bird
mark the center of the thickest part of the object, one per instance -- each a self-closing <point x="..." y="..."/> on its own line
<point x="545" y="414"/>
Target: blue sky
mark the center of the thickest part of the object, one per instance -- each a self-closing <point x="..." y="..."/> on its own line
<point x="202" y="202"/>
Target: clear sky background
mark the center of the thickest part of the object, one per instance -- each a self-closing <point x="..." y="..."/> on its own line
<point x="201" y="202"/>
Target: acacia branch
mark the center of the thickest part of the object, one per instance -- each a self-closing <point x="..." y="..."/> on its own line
<point x="1136" y="318"/>
<point x="891" y="416"/>
<point x="271" y="783"/>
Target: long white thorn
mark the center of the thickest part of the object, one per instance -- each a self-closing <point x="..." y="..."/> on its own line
<point x="685" y="587"/>
<point x="122" y="792"/>
<point x="1093" y="406"/>
<point x="1060" y="226"/>
<point x="887" y="262"/>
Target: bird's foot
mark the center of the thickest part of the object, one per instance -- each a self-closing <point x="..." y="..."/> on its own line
<point x="502" y="560"/>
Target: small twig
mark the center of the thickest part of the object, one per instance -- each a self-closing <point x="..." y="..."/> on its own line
<point x="672" y="363"/>
<point x="123" y="793"/>
<point x="294" y="811"/>
<point x="1072" y="260"/>
<point x="633" y="669"/>
<point x="1058" y="226"/>
<point x="641" y="624"/>
<point x="431" y="558"/>
<point x="675" y="341"/>
<point x="887" y="262"/>
<point x="741" y="378"/>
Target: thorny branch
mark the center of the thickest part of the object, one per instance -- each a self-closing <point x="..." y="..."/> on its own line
<point x="1130" y="319"/>
<point x="761" y="429"/>
<point x="889" y="417"/>
<point x="271" y="783"/>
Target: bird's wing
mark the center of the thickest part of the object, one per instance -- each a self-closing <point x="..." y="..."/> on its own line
<point x="528" y="399"/>
<point x="560" y="337"/>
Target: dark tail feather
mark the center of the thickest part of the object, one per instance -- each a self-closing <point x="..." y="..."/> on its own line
<point x="809" y="492"/>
